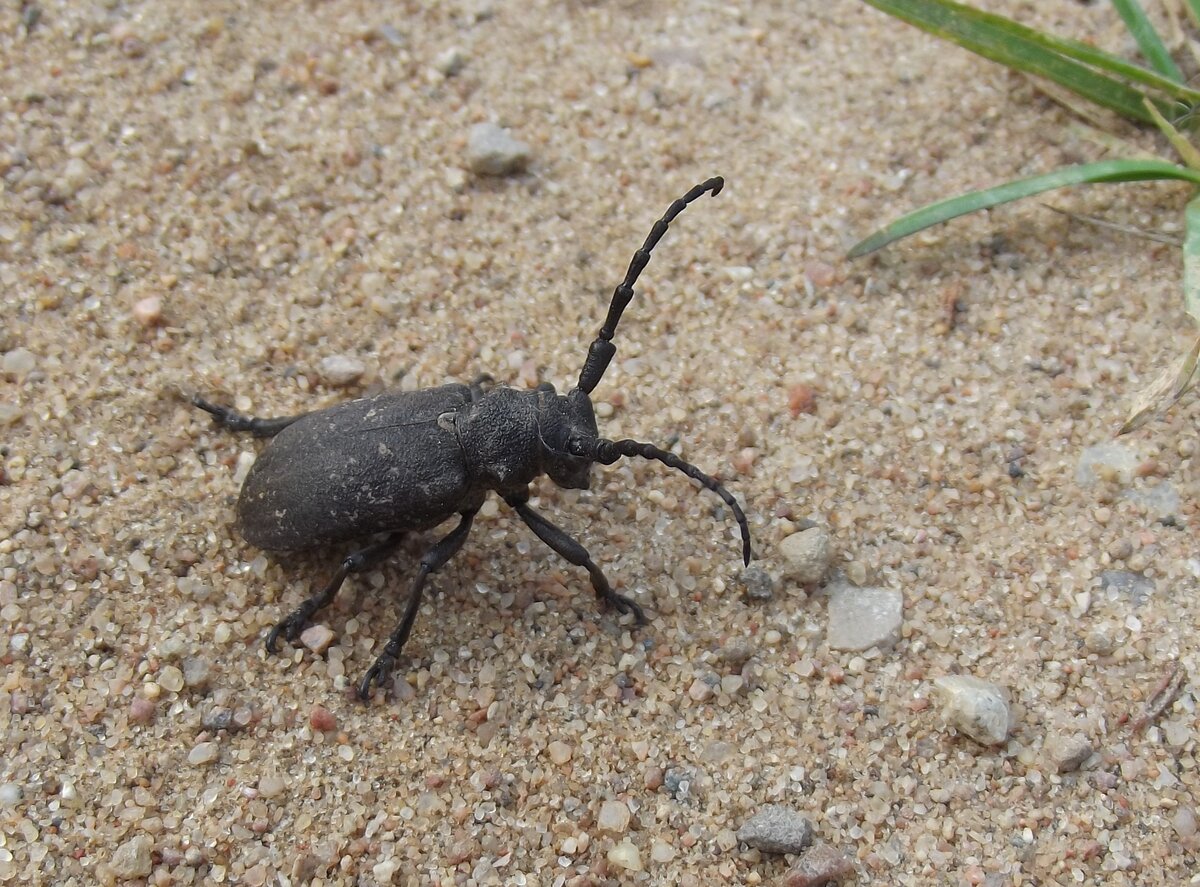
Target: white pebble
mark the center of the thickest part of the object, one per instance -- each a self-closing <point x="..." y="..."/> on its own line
<point x="204" y="753"/>
<point x="976" y="707"/>
<point x="317" y="638"/>
<point x="614" y="818"/>
<point x="341" y="369"/>
<point x="19" y="362"/>
<point x="861" y="618"/>
<point x="148" y="311"/>
<point x="625" y="856"/>
<point x="492" y="151"/>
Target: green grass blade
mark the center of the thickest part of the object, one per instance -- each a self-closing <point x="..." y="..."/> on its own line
<point x="1024" y="49"/>
<point x="1147" y="39"/>
<point x="1185" y="149"/>
<point x="1191" y="260"/>
<point x="1104" y="171"/>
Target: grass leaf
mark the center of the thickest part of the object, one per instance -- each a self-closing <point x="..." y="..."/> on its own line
<point x="1147" y="39"/>
<point x="1103" y="171"/>
<point x="1085" y="70"/>
<point x="1186" y="150"/>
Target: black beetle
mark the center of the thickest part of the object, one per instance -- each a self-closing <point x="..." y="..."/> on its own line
<point x="406" y="461"/>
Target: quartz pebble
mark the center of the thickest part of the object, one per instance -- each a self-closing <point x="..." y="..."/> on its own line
<point x="1067" y="752"/>
<point x="492" y="151"/>
<point x="976" y="707"/>
<point x="170" y="679"/>
<point x="822" y="864"/>
<point x="204" y="753"/>
<point x="625" y="856"/>
<point x="18" y="363"/>
<point x="1107" y="461"/>
<point x="613" y="818"/>
<point x="148" y="311"/>
<point x="861" y="618"/>
<point x="271" y="786"/>
<point x="559" y="752"/>
<point x="317" y="638"/>
<point x="759" y="584"/>
<point x="340" y="370"/>
<point x="806" y="555"/>
<point x="134" y="858"/>
<point x="776" y="829"/>
<point x="10" y="794"/>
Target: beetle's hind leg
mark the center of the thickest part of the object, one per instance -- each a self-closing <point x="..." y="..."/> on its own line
<point x="234" y="421"/>
<point x="432" y="561"/>
<point x="291" y="626"/>
<point x="576" y="554"/>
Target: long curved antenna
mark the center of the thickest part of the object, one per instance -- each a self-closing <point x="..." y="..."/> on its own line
<point x="609" y="451"/>
<point x="602" y="349"/>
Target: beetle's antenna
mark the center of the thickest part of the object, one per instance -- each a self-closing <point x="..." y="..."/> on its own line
<point x="602" y="349"/>
<point x="609" y="451"/>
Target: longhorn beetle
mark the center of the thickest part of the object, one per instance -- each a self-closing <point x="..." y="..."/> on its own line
<point x="406" y="461"/>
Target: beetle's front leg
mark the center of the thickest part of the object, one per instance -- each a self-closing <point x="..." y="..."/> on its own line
<point x="574" y="553"/>
<point x="291" y="626"/>
<point x="432" y="561"/>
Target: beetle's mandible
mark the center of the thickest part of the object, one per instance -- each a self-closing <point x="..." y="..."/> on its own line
<point x="400" y="462"/>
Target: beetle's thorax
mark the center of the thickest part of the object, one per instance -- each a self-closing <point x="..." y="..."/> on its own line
<point x="498" y="436"/>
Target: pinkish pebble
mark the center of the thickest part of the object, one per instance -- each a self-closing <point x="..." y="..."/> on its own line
<point x="141" y="711"/>
<point x="321" y="718"/>
<point x="148" y="311"/>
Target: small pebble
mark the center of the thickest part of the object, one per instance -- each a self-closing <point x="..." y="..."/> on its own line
<point x="1110" y="462"/>
<point x="776" y="829"/>
<point x="1134" y="587"/>
<point x="170" y="679"/>
<point x="759" y="584"/>
<point x="204" y="753"/>
<point x="975" y="707"/>
<point x="700" y="690"/>
<point x="10" y="794"/>
<point x="341" y="369"/>
<point x="317" y="638"/>
<point x="19" y="363"/>
<point x="614" y="818"/>
<point x="806" y="555"/>
<point x="661" y="852"/>
<point x="492" y="151"/>
<point x="322" y="719"/>
<point x="1067" y="752"/>
<point x="196" y="672"/>
<point x="559" y="752"/>
<point x="450" y="62"/>
<point x="271" y="786"/>
<point x="141" y="711"/>
<point x="822" y="864"/>
<point x="625" y="856"/>
<point x="861" y="618"/>
<point x="134" y="858"/>
<point x="1184" y="822"/>
<point x="148" y="311"/>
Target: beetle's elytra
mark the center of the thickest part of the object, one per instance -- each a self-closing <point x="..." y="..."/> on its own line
<point x="406" y="461"/>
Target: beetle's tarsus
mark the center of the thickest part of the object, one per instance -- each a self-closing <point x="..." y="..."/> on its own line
<point x="232" y="420"/>
<point x="625" y="606"/>
<point x="295" y="622"/>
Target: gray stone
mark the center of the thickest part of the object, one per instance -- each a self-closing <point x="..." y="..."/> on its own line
<point x="1067" y="752"/>
<point x="860" y="618"/>
<point x="492" y="151"/>
<point x="1106" y="461"/>
<point x="1133" y="586"/>
<point x="776" y="829"/>
<point x="807" y="554"/>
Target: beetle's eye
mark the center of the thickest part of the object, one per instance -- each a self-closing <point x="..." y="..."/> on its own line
<point x="576" y="447"/>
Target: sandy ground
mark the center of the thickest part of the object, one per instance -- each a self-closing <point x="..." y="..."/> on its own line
<point x="289" y="181"/>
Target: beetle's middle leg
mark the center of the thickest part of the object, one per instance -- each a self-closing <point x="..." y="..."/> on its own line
<point x="432" y="561"/>
<point x="574" y="553"/>
<point x="358" y="561"/>
<point x="232" y="420"/>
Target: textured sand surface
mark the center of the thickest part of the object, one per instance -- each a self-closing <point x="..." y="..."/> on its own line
<point x="247" y="200"/>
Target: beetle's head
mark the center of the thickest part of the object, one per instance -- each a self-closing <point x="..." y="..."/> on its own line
<point x="567" y="436"/>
